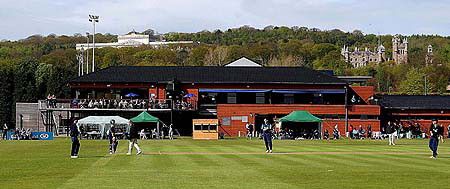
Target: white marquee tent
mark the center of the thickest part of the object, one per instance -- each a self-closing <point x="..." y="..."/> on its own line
<point x="103" y="122"/>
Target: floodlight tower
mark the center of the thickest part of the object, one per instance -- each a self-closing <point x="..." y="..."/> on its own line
<point x="87" y="53"/>
<point x="80" y="58"/>
<point x="93" y="19"/>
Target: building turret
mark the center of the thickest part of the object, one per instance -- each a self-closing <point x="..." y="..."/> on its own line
<point x="399" y="50"/>
<point x="429" y="57"/>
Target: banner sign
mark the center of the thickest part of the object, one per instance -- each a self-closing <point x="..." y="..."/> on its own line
<point x="42" y="135"/>
<point x="34" y="136"/>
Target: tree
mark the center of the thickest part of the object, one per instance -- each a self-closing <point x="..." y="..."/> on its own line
<point x="42" y="76"/>
<point x="25" y="81"/>
<point x="197" y="56"/>
<point x="331" y="61"/>
<point x="288" y="61"/>
<point x="111" y="59"/>
<point x="216" y="56"/>
<point x="7" y="102"/>
<point x="414" y="83"/>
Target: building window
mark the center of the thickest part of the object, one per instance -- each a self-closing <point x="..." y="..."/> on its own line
<point x="231" y="98"/>
<point x="351" y="59"/>
<point x="370" y="60"/>
<point x="364" y="59"/>
<point x="260" y="98"/>
<point x="375" y="59"/>
<point x="288" y="98"/>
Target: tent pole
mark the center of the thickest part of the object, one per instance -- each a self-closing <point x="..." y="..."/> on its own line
<point x="157" y="129"/>
<point x="346" y="110"/>
<point x="321" y="130"/>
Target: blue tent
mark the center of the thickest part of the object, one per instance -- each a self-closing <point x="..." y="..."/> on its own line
<point x="131" y="95"/>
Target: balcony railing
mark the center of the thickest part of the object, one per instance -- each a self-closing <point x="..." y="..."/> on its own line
<point x="121" y="104"/>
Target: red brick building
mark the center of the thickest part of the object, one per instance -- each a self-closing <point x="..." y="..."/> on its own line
<point x="235" y="95"/>
<point x="412" y="109"/>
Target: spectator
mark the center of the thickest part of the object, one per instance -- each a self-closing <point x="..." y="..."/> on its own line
<point x="5" y="131"/>
<point x="369" y="132"/>
<point x="316" y="134"/>
<point x="417" y="132"/>
<point x="350" y="130"/>
<point x="17" y="134"/>
<point x="154" y="133"/>
<point x="23" y="134"/>
<point x="142" y="134"/>
<point x="28" y="134"/>
<point x="170" y="132"/>
<point x="326" y="135"/>
<point x="441" y="133"/>
<point x="336" y="133"/>
<point x="249" y="128"/>
<point x="361" y="132"/>
<point x="448" y="131"/>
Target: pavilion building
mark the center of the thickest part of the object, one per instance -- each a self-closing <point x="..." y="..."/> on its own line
<point x="237" y="94"/>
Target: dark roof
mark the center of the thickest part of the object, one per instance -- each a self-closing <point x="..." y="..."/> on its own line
<point x="430" y="102"/>
<point x="207" y="74"/>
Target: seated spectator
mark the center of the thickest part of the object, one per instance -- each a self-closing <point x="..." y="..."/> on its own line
<point x="142" y="134"/>
<point x="361" y="132"/>
<point x="28" y="134"/>
<point x="154" y="133"/>
<point x="316" y="134"/>
<point x="355" y="134"/>
<point x="326" y="135"/>
<point x="336" y="133"/>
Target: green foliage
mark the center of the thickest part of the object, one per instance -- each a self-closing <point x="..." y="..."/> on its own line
<point x="197" y="56"/>
<point x="414" y="83"/>
<point x="6" y="93"/>
<point x="25" y="81"/>
<point x="331" y="61"/>
<point x="43" y="75"/>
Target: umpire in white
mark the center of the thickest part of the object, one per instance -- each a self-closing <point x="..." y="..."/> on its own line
<point x="134" y="135"/>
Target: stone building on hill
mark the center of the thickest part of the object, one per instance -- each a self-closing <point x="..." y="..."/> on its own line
<point x="358" y="58"/>
<point x="399" y="50"/>
<point x="361" y="58"/>
<point x="429" y="56"/>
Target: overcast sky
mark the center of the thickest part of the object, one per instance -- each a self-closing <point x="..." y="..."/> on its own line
<point x="22" y="18"/>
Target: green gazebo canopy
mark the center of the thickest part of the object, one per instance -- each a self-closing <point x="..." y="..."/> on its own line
<point x="144" y="117"/>
<point x="300" y="116"/>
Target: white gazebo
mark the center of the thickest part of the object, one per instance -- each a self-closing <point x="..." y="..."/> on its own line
<point x="102" y="123"/>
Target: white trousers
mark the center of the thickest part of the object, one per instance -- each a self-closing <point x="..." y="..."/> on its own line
<point x="133" y="142"/>
<point x="391" y="139"/>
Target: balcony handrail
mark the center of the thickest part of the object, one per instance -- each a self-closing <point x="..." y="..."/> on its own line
<point x="185" y="104"/>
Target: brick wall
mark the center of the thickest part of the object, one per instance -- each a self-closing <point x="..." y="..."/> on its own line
<point x="249" y="110"/>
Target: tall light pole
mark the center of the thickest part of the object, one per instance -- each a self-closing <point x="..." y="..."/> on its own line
<point x="346" y="110"/>
<point x="93" y="19"/>
<point x="80" y="58"/>
<point x="87" y="53"/>
<point x="79" y="64"/>
<point x="82" y="64"/>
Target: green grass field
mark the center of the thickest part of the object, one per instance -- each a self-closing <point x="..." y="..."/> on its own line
<point x="185" y="163"/>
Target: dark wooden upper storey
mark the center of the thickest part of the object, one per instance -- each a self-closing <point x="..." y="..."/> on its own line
<point x="214" y="75"/>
